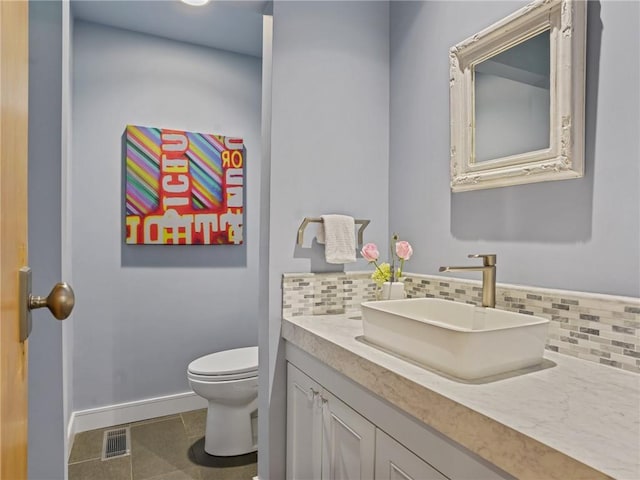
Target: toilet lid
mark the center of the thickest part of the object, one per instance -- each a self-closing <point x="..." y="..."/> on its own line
<point x="227" y="362"/>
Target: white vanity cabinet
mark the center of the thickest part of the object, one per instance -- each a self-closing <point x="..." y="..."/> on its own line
<point x="325" y="438"/>
<point x="304" y="426"/>
<point x="337" y="430"/>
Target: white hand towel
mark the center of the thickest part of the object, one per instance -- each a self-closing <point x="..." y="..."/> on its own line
<point x="339" y="238"/>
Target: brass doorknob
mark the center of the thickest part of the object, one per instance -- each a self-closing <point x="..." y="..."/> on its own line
<point x="60" y="301"/>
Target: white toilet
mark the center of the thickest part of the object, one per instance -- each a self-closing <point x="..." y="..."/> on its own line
<point x="229" y="381"/>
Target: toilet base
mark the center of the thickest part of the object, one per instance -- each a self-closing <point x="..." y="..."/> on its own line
<point x="231" y="430"/>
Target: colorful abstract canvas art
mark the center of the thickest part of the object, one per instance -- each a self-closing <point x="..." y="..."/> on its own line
<point x="183" y="188"/>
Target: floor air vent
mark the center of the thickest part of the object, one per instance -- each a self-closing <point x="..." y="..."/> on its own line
<point x="116" y="443"/>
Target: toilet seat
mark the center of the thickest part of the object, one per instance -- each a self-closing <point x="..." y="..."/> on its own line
<point x="236" y="364"/>
<point x="221" y="378"/>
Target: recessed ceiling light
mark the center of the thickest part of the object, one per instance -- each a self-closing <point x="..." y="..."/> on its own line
<point x="195" y="3"/>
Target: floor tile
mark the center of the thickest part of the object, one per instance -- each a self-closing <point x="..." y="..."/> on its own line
<point x="88" y="445"/>
<point x="164" y="448"/>
<point x="195" y="422"/>
<point x="245" y="472"/>
<point x="114" y="469"/>
<point x="198" y="456"/>
<point x="159" y="448"/>
<point x="156" y="419"/>
<point x="240" y="467"/>
<point x="190" y="474"/>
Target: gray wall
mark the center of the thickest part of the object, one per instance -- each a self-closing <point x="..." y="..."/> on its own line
<point x="329" y="154"/>
<point x="581" y="234"/>
<point x="144" y="312"/>
<point x="47" y="428"/>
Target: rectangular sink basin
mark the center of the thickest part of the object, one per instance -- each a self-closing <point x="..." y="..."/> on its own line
<point x="459" y="339"/>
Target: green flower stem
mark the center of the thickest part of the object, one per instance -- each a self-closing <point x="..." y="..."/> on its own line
<point x="394" y="239"/>
<point x="378" y="267"/>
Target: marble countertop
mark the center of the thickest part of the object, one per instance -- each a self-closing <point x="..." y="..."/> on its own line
<point x="573" y="419"/>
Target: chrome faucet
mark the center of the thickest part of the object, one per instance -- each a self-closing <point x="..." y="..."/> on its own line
<point x="488" y="270"/>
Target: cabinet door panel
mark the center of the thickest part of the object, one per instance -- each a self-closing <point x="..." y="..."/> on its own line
<point x="304" y="426"/>
<point x="395" y="462"/>
<point x="348" y="442"/>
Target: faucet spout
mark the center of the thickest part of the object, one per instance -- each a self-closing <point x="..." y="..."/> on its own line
<point x="460" y="269"/>
<point x="488" y="270"/>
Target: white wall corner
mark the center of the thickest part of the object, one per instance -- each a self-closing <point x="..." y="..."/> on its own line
<point x="71" y="433"/>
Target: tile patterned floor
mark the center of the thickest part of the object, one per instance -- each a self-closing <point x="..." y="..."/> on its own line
<point x="165" y="448"/>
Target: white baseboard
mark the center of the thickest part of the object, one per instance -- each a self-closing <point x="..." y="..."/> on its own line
<point x="101" y="417"/>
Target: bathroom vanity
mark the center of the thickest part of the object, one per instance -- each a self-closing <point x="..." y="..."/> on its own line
<point x="355" y="411"/>
<point x="345" y="436"/>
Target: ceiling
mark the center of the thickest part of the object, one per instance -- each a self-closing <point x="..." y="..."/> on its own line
<point x="230" y="25"/>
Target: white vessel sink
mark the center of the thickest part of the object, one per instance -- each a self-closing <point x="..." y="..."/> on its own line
<point x="461" y="340"/>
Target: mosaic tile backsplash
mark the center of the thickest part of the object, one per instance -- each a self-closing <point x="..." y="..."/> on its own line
<point x="599" y="328"/>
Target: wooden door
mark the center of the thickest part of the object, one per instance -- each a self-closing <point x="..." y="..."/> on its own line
<point x="14" y="91"/>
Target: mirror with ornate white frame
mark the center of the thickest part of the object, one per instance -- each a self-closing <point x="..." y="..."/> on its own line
<point x="502" y="68"/>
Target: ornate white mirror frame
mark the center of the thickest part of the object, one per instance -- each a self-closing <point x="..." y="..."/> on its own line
<point x="564" y="158"/>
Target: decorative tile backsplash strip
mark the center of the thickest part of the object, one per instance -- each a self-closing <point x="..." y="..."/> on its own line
<point x="325" y="293"/>
<point x="600" y="328"/>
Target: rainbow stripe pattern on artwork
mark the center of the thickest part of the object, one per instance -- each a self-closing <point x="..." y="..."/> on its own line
<point x="183" y="187"/>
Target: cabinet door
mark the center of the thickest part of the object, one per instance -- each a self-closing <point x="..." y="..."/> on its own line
<point x="395" y="462"/>
<point x="348" y="442"/>
<point x="304" y="426"/>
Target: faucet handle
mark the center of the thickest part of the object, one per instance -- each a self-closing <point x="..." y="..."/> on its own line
<point x="488" y="259"/>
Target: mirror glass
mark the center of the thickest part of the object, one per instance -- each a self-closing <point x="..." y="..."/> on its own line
<point x="512" y="100"/>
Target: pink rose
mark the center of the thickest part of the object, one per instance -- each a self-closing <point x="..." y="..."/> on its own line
<point x="370" y="252"/>
<point x="403" y="250"/>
